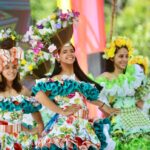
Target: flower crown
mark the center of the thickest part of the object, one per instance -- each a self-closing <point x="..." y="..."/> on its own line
<point x="39" y="36"/>
<point x="13" y="55"/>
<point x="118" y="43"/>
<point x="141" y="61"/>
<point x="8" y="33"/>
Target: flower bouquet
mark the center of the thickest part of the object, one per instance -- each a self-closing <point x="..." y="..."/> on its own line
<point x="52" y="32"/>
<point x="35" y="65"/>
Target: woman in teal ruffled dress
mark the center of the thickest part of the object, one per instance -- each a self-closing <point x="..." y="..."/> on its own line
<point x="69" y="87"/>
<point x="130" y="128"/>
<point x="14" y="103"/>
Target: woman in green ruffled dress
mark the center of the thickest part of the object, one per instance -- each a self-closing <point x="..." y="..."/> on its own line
<point x="130" y="128"/>
<point x="14" y="103"/>
<point x="70" y="87"/>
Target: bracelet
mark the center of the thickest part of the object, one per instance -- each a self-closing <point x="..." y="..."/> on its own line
<point x="102" y="106"/>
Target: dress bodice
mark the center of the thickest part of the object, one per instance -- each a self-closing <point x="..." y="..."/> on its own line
<point x="12" y="108"/>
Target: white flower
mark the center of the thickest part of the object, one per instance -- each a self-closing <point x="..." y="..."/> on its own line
<point x="35" y="37"/>
<point x="33" y="43"/>
<point x="64" y="24"/>
<point x="28" y="34"/>
<point x="5" y="35"/>
<point x="1" y="37"/>
<point x="8" y="31"/>
<point x="52" y="48"/>
<point x="44" y="31"/>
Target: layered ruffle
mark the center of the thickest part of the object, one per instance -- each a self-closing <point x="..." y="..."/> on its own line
<point x="64" y="88"/>
<point x="18" y="103"/>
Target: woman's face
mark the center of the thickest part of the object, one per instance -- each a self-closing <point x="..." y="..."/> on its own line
<point x="67" y="55"/>
<point x="10" y="71"/>
<point x="121" y="58"/>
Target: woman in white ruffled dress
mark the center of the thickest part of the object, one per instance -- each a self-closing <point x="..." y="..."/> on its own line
<point x="130" y="128"/>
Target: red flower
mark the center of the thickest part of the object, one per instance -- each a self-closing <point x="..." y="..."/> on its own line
<point x="7" y="148"/>
<point x="79" y="140"/>
<point x="17" y="146"/>
<point x="71" y="95"/>
<point x="16" y="102"/>
<point x="70" y="120"/>
<point x="2" y="122"/>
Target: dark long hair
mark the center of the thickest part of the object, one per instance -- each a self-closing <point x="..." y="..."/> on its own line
<point x="77" y="70"/>
<point x="16" y="84"/>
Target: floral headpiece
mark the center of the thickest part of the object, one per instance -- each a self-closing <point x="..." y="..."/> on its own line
<point x="141" y="61"/>
<point x="118" y="43"/>
<point x="45" y="34"/>
<point x="32" y="62"/>
<point x="13" y="55"/>
<point x="8" y="33"/>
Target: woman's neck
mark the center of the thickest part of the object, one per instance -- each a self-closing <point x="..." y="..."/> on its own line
<point x="9" y="84"/>
<point x="117" y="72"/>
<point x="67" y="69"/>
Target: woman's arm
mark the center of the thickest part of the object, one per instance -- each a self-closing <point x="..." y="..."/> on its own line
<point x="44" y="100"/>
<point x="38" y="118"/>
<point x="105" y="108"/>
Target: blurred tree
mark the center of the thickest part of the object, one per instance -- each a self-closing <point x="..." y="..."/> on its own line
<point x="41" y="8"/>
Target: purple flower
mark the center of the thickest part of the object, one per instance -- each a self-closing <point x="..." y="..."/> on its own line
<point x="75" y="13"/>
<point x="36" y="50"/>
<point x="40" y="26"/>
<point x="40" y="45"/>
<point x="58" y="26"/>
<point x="64" y="16"/>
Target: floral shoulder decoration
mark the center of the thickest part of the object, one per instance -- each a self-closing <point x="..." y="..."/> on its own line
<point x="40" y="34"/>
<point x="31" y="61"/>
<point x="67" y="87"/>
<point x="9" y="33"/>
<point x="118" y="43"/>
<point x="141" y="60"/>
<point x="20" y="102"/>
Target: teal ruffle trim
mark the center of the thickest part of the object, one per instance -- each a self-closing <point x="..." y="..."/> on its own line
<point x="27" y="106"/>
<point x="67" y="87"/>
<point x="99" y="130"/>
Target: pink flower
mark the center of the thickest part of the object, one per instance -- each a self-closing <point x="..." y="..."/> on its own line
<point x="36" y="50"/>
<point x="71" y="95"/>
<point x="52" y="48"/>
<point x="64" y="16"/>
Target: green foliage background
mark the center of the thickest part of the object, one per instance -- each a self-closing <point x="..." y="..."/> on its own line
<point x="132" y="20"/>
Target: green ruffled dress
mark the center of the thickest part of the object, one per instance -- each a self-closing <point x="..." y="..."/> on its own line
<point x="131" y="128"/>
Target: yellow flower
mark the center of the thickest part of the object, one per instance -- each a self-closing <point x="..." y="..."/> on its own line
<point x="113" y="120"/>
<point x="40" y="53"/>
<point x="118" y="42"/>
<point x="143" y="61"/>
<point x="30" y="67"/>
<point x="13" y="37"/>
<point x="53" y="16"/>
<point x="23" y="62"/>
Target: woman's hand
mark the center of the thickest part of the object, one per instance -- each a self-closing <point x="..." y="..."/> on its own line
<point x="71" y="110"/>
<point x="140" y="104"/>
<point x="108" y="111"/>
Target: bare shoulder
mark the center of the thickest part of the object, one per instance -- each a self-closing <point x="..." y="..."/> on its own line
<point x="107" y="75"/>
<point x="25" y="91"/>
<point x="2" y="94"/>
